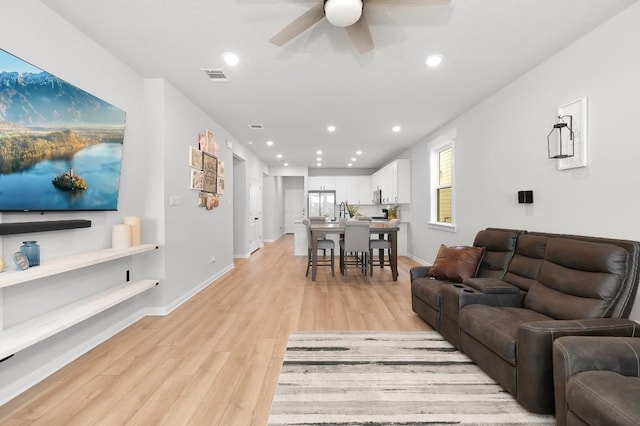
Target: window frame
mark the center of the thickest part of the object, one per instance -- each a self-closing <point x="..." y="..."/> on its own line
<point x="438" y="146"/>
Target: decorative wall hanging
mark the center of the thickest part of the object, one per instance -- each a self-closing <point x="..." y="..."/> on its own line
<point x="196" y="179"/>
<point x="207" y="171"/>
<point x="210" y="170"/>
<point x="195" y="158"/>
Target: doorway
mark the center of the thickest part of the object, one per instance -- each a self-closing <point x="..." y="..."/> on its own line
<point x="294" y="208"/>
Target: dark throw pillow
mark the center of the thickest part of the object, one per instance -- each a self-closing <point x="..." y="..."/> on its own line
<point x="456" y="263"/>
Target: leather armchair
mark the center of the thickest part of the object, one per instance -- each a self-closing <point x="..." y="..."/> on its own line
<point x="597" y="380"/>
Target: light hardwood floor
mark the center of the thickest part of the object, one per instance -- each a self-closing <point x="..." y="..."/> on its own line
<point x="216" y="359"/>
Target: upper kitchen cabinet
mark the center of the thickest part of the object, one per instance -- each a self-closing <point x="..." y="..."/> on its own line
<point x="394" y="180"/>
<point x="400" y="182"/>
<point x="354" y="189"/>
<point x="357" y="190"/>
<point x="322" y="182"/>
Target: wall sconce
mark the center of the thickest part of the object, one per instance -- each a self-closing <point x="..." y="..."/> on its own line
<point x="567" y="141"/>
<point x="560" y="140"/>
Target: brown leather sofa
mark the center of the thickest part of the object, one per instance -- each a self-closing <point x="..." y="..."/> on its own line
<point x="499" y="245"/>
<point x="597" y="380"/>
<point x="554" y="285"/>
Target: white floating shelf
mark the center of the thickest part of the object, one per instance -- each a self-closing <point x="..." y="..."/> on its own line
<point x="59" y="265"/>
<point x="23" y="335"/>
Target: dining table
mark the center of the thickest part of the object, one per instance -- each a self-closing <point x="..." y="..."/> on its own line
<point x="320" y="230"/>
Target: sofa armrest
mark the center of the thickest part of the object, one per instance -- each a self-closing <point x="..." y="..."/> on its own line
<point x="534" y="352"/>
<point x="491" y="286"/>
<point x="573" y="354"/>
<point x="457" y="296"/>
<point x="419" y="272"/>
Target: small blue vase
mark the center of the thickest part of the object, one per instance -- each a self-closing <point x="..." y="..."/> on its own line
<point x="31" y="250"/>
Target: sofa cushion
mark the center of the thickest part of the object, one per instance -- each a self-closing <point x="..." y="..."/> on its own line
<point x="527" y="260"/>
<point x="456" y="263"/>
<point x="589" y="395"/>
<point x="428" y="290"/>
<point x="499" y="246"/>
<point x="578" y="279"/>
<point x="497" y="327"/>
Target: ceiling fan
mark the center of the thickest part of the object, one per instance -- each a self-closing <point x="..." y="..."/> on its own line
<point x="349" y="14"/>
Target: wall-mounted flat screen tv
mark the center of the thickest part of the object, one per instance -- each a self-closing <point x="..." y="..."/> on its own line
<point x="60" y="147"/>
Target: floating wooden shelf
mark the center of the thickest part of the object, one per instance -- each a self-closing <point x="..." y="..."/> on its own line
<point x="51" y="225"/>
<point x="23" y="335"/>
<point x="68" y="263"/>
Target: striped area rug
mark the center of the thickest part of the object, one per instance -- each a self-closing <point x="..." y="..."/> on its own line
<point x="387" y="378"/>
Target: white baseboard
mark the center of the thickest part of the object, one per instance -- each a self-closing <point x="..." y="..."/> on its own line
<point x="166" y="310"/>
<point x="417" y="259"/>
<point x="242" y="256"/>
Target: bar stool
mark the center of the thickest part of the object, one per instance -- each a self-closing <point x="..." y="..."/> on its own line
<point x="381" y="245"/>
<point x="354" y="248"/>
<point x="322" y="245"/>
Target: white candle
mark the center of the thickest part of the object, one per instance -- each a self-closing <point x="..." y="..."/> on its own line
<point x="136" y="229"/>
<point x="121" y="236"/>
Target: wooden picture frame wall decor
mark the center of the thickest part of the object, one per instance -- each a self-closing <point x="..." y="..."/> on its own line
<point x="195" y="158"/>
<point x="206" y="170"/>
<point x="210" y="170"/>
<point x="196" y="179"/>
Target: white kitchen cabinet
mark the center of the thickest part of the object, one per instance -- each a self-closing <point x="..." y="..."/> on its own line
<point x="357" y="190"/>
<point x="400" y="178"/>
<point x="322" y="182"/>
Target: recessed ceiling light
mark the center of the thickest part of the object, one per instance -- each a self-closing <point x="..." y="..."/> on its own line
<point x="396" y="129"/>
<point x="286" y="164"/>
<point x="359" y="152"/>
<point x="231" y="58"/>
<point x="279" y="155"/>
<point x="270" y="143"/>
<point x="354" y="159"/>
<point x="249" y="142"/>
<point x="434" y="60"/>
<point x="319" y="164"/>
<point x="331" y="128"/>
<point x="350" y="164"/>
<point x="319" y="159"/>
<point x="319" y="152"/>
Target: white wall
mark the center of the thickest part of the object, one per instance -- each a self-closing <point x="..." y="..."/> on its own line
<point x="50" y="43"/>
<point x="161" y="124"/>
<point x="192" y="234"/>
<point x="501" y="148"/>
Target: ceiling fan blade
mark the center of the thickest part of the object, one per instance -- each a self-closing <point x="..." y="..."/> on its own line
<point x="360" y="35"/>
<point x="299" y="25"/>
<point x="401" y="3"/>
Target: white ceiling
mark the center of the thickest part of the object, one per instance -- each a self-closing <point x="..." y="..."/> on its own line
<point x="318" y="79"/>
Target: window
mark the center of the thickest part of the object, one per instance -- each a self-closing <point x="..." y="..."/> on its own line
<point x="442" y="180"/>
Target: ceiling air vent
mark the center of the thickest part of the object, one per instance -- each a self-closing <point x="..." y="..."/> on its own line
<point x="216" y="75"/>
<point x="256" y="126"/>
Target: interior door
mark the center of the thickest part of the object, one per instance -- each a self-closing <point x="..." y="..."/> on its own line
<point x="255" y="215"/>
<point x="294" y="208"/>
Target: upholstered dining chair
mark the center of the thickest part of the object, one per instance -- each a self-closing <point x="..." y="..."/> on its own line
<point x="319" y="220"/>
<point x="381" y="245"/>
<point x="354" y="248"/>
<point x="323" y="245"/>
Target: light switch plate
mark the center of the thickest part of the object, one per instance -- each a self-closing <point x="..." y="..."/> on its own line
<point x="174" y="200"/>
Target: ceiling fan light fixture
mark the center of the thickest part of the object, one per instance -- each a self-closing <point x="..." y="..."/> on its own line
<point x="343" y="13"/>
